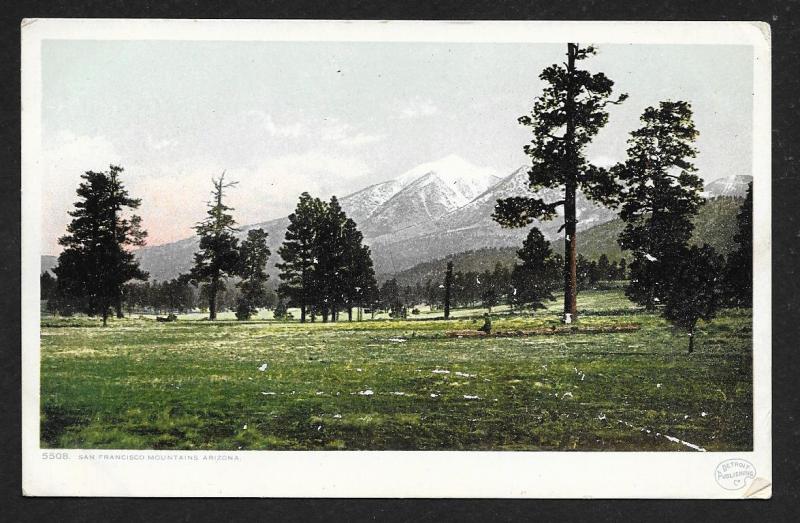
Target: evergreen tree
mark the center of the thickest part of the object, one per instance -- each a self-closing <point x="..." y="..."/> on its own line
<point x="694" y="290"/>
<point x="391" y="299"/>
<point x="253" y="256"/>
<point x="661" y="195"/>
<point x="357" y="273"/>
<point x="329" y="253"/>
<point x="490" y="290"/>
<point x="299" y="253"/>
<point x="218" y="257"/>
<point x="96" y="262"/>
<point x="739" y="270"/>
<point x="564" y="119"/>
<point x="536" y="277"/>
<point x="604" y="269"/>
<point x="623" y="269"/>
<point x="47" y="286"/>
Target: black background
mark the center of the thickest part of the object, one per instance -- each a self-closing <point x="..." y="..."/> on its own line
<point x="782" y="16"/>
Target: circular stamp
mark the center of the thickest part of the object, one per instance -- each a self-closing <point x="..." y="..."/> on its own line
<point x="733" y="474"/>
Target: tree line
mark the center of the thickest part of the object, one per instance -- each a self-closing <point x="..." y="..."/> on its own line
<point x="325" y="267"/>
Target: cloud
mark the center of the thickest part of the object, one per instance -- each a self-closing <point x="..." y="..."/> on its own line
<point x="328" y="130"/>
<point x="63" y="162"/>
<point x="417" y="108"/>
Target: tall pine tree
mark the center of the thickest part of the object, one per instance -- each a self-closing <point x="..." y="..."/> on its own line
<point x="96" y="262"/>
<point x="218" y="257"/>
<point x="299" y="253"/>
<point x="564" y="119"/>
<point x="661" y="195"/>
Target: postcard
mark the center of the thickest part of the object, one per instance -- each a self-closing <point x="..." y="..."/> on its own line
<point x="298" y="258"/>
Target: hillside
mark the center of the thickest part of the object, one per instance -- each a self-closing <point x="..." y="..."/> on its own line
<point x="715" y="224"/>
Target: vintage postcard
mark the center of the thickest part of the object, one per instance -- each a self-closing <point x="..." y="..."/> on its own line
<point x="396" y="259"/>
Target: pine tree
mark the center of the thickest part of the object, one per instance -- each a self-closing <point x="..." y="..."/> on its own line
<point x="299" y="253"/>
<point x="564" y="119"/>
<point x="661" y="195"/>
<point x="739" y="270"/>
<point x="357" y="273"/>
<point x="330" y="252"/>
<point x="218" y="257"/>
<point x="253" y="257"/>
<point x="695" y="289"/>
<point x="536" y="277"/>
<point x="96" y="262"/>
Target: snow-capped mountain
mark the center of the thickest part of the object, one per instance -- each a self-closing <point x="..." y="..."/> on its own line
<point x="734" y="185"/>
<point x="431" y="211"/>
<point x="429" y="192"/>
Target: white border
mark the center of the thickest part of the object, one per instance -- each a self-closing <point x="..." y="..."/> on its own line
<point x="389" y="473"/>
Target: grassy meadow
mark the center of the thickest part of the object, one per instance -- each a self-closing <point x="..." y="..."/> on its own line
<point x="398" y="384"/>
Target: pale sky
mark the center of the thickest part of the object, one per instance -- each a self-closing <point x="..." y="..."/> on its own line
<point x="332" y="118"/>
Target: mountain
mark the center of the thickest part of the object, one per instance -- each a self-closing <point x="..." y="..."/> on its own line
<point x="429" y="212"/>
<point x="734" y="185"/>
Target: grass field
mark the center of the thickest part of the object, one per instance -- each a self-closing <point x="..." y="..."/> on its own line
<point x="393" y="384"/>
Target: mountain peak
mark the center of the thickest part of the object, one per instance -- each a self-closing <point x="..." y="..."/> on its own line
<point x="450" y="169"/>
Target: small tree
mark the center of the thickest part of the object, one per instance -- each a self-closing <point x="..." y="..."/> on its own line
<point x="695" y="290"/>
<point x="253" y="256"/>
<point x="281" y="310"/>
<point x="536" y="277"/>
<point x="739" y="270"/>
<point x="96" y="262"/>
<point x="218" y="257"/>
<point x="565" y="118"/>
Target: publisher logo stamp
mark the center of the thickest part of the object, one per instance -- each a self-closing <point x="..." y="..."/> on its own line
<point x="733" y="474"/>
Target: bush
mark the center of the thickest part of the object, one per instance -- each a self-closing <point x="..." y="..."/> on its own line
<point x="415" y="311"/>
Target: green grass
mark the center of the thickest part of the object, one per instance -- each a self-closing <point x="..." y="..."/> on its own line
<point x="197" y="384"/>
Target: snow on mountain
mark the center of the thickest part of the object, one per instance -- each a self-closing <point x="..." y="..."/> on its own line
<point x="734" y="185"/>
<point x="430" y="191"/>
<point x="360" y="205"/>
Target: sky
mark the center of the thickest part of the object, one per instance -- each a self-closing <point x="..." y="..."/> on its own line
<point x="331" y="118"/>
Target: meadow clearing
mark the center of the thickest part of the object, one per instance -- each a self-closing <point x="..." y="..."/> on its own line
<point x="398" y="384"/>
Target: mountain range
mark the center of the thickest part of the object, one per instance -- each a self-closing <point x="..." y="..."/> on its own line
<point x="432" y="211"/>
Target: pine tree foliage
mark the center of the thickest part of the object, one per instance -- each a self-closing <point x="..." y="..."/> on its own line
<point x="695" y="290"/>
<point x="536" y="277"/>
<point x="253" y="257"/>
<point x="299" y="254"/>
<point x="739" y="270"/>
<point x="661" y="196"/>
<point x="97" y="260"/>
<point x="326" y="268"/>
<point x="565" y="118"/>
<point x="218" y="257"/>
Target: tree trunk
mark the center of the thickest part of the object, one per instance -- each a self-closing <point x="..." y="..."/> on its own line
<point x="570" y="241"/>
<point x="302" y="313"/>
<point x="448" y="281"/>
<point x="105" y="316"/>
<point x="350" y="313"/>
<point x="118" y="306"/>
<point x="212" y="299"/>
<point x="691" y="340"/>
